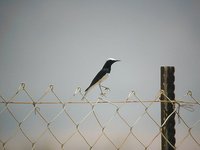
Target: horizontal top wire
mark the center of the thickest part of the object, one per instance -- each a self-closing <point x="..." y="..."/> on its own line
<point x="99" y="102"/>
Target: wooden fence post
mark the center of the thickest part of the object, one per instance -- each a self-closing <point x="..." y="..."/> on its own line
<point x="168" y="129"/>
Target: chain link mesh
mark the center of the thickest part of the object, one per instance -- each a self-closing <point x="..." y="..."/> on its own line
<point x="50" y="122"/>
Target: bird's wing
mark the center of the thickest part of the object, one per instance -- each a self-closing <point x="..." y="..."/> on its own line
<point x="98" y="77"/>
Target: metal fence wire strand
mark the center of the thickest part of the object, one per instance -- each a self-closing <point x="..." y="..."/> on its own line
<point x="188" y="104"/>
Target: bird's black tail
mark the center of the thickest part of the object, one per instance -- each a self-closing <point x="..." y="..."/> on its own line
<point x="84" y="96"/>
<point x="87" y="89"/>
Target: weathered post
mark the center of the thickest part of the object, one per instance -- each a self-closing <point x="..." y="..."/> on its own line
<point x="168" y="123"/>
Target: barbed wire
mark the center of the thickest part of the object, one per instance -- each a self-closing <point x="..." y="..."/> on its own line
<point x="116" y="105"/>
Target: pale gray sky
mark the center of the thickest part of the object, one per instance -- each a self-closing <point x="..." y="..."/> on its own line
<point x="66" y="42"/>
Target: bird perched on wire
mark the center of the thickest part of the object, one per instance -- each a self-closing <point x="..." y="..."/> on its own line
<point x="101" y="76"/>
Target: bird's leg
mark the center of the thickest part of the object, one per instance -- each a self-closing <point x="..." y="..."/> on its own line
<point x="101" y="89"/>
<point x="106" y="88"/>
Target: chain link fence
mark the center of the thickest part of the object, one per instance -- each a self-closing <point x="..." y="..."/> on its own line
<point x="50" y="123"/>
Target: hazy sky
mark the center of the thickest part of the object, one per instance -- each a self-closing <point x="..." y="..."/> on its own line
<point x="66" y="42"/>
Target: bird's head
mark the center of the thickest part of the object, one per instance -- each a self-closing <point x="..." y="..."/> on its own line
<point x="109" y="62"/>
<point x="112" y="60"/>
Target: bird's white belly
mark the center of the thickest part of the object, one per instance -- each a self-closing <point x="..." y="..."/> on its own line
<point x="104" y="78"/>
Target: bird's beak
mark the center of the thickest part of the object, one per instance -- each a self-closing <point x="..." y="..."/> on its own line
<point x="117" y="60"/>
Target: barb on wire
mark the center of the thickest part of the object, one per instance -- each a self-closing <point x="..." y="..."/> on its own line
<point x="78" y="90"/>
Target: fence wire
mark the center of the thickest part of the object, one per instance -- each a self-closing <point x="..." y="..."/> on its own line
<point x="93" y="124"/>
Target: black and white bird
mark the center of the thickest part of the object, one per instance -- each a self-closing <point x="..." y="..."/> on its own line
<point x="101" y="76"/>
